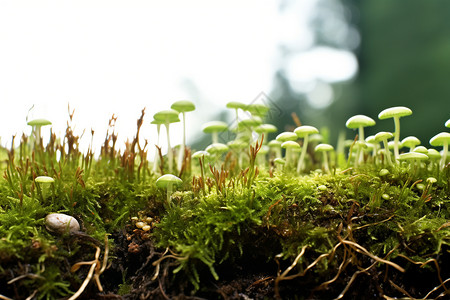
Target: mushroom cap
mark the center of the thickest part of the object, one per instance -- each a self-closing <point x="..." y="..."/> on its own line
<point x="39" y="122"/>
<point x="216" y="148"/>
<point x="383" y="135"/>
<point x="168" y="179"/>
<point x="371" y="139"/>
<point x="305" y="130"/>
<point x="447" y="124"/>
<point x="290" y="144"/>
<point x="251" y="122"/>
<point x="257" y="109"/>
<point x="410" y="141"/>
<point x="266" y="128"/>
<point x="323" y="148"/>
<point x="183" y="106"/>
<point x="236" y="105"/>
<point x="157" y="122"/>
<point x="397" y="111"/>
<point x="200" y="153"/>
<point x="274" y="144"/>
<point x="44" y="179"/>
<point x="431" y="180"/>
<point x="279" y="161"/>
<point x="358" y="121"/>
<point x="440" y="139"/>
<point x="412" y="156"/>
<point x="316" y="137"/>
<point x="420" y="149"/>
<point x="433" y="154"/>
<point x="167" y="116"/>
<point x="214" y="126"/>
<point x="237" y="144"/>
<point x="286" y="136"/>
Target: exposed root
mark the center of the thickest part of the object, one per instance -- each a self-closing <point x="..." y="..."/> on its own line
<point x="94" y="271"/>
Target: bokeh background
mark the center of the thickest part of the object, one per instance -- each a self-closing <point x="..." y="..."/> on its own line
<point x="324" y="60"/>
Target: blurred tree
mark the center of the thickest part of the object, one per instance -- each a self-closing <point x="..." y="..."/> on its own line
<point x="404" y="59"/>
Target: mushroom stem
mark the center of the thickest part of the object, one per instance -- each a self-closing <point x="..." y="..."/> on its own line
<point x="325" y="162"/>
<point x="169" y="192"/>
<point x="396" y="137"/>
<point x="302" y="155"/>
<point x="444" y="155"/>
<point x="183" y="145"/>
<point x="215" y="137"/>
<point x="388" y="153"/>
<point x="169" y="149"/>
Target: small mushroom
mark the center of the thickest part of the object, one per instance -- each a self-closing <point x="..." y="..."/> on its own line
<point x="36" y="125"/>
<point x="304" y="132"/>
<point x="168" y="182"/>
<point x="410" y="142"/>
<point x="383" y="136"/>
<point x="396" y="113"/>
<point x="43" y="180"/>
<point x="167" y="117"/>
<point x="214" y="127"/>
<point x="441" y="139"/>
<point x="289" y="146"/>
<point x="61" y="223"/>
<point x="359" y="122"/>
<point x="183" y="107"/>
<point x="324" y="148"/>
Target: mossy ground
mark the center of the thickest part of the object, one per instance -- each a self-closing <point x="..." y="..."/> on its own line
<point x="230" y="232"/>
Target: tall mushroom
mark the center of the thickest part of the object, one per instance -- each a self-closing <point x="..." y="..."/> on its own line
<point x="289" y="146"/>
<point x="360" y="121"/>
<point x="167" y="117"/>
<point x="441" y="139"/>
<point x="396" y="113"/>
<point x="183" y="107"/>
<point x="304" y="132"/>
<point x="158" y="124"/>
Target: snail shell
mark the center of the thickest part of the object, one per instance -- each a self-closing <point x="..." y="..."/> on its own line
<point x="61" y="223"/>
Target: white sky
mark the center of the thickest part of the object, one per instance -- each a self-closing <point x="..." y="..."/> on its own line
<point x="106" y="57"/>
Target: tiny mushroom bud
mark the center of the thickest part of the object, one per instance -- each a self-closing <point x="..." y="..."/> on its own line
<point x="214" y="127"/>
<point x="44" y="180"/>
<point x="168" y="181"/>
<point x="396" y="113"/>
<point x="168" y="116"/>
<point x="359" y="122"/>
<point x="441" y="139"/>
<point x="324" y="148"/>
<point x="183" y="107"/>
<point x="61" y="223"/>
<point x="304" y="132"/>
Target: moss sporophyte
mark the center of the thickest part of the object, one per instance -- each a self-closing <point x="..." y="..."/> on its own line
<point x="248" y="216"/>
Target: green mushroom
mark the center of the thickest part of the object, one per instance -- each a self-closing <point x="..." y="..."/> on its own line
<point x="410" y="142"/>
<point x="36" y="124"/>
<point x="396" y="113"/>
<point x="383" y="136"/>
<point x="289" y="146"/>
<point x="168" y="182"/>
<point x="359" y="122"/>
<point x="324" y="148"/>
<point x="304" y="132"/>
<point x="167" y="117"/>
<point x="158" y="129"/>
<point x="441" y="139"/>
<point x="213" y="128"/>
<point x="42" y="182"/>
<point x="183" y="106"/>
<point x="236" y="106"/>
